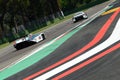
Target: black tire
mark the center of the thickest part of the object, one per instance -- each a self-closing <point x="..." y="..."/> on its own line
<point x="43" y="36"/>
<point x="18" y="47"/>
<point x="74" y="21"/>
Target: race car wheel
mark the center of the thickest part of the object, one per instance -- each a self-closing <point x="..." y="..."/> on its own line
<point x="43" y="36"/>
<point x="18" y="47"/>
<point x="85" y="16"/>
<point x="74" y="20"/>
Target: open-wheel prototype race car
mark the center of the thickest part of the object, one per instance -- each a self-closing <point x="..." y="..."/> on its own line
<point x="28" y="40"/>
<point x="78" y="16"/>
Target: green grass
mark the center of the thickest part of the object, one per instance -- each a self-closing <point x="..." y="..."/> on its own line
<point x="4" y="45"/>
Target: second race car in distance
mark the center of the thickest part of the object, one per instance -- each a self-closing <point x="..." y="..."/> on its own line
<point x="79" y="15"/>
<point x="28" y="40"/>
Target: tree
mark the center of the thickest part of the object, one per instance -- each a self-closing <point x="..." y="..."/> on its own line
<point x="3" y="8"/>
<point x="87" y="1"/>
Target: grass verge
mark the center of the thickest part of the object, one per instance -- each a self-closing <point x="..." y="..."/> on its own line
<point x="4" y="45"/>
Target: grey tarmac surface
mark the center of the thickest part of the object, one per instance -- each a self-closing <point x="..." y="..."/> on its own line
<point x="106" y="68"/>
<point x="9" y="56"/>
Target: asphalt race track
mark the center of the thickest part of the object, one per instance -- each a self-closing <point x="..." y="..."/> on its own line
<point x="9" y="56"/>
<point x="92" y="52"/>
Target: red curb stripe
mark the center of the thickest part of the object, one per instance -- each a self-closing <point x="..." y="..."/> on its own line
<point x="97" y="38"/>
<point x="87" y="62"/>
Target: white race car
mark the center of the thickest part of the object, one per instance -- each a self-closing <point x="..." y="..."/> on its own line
<point x="28" y="40"/>
<point x="78" y="16"/>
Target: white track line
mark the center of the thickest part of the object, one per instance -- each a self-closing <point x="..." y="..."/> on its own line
<point x="115" y="36"/>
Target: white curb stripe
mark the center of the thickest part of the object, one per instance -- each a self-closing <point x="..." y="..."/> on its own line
<point x="115" y="36"/>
